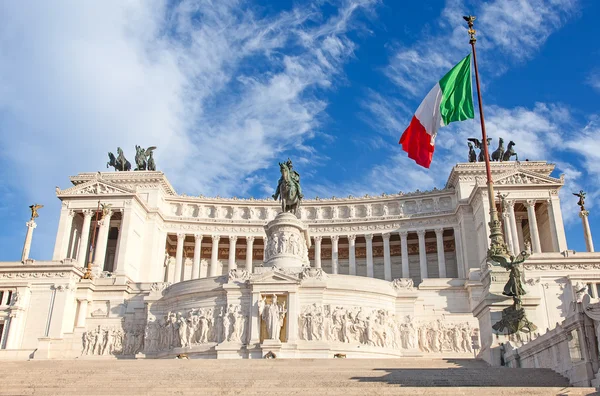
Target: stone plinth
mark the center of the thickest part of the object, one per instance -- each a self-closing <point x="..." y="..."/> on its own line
<point x="287" y="242"/>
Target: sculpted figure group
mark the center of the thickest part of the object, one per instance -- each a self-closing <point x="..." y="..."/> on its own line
<point x="378" y="327"/>
<point x="105" y="340"/>
<point x="286" y="243"/>
<point x="144" y="160"/>
<point x="197" y="326"/>
<point x="500" y="154"/>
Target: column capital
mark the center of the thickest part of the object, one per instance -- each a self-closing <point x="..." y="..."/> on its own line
<point x="318" y="238"/>
<point x="386" y="236"/>
<point x="180" y="236"/>
<point x="335" y="238"/>
<point x="31" y="224"/>
<point x="530" y="203"/>
<point x="403" y="234"/>
<point x="198" y="237"/>
<point x="439" y="231"/>
<point x="233" y="238"/>
<point x="88" y="213"/>
<point x="250" y="239"/>
<point x="369" y="237"/>
<point x="584" y="213"/>
<point x="215" y="238"/>
<point x="510" y="203"/>
<point x="421" y="233"/>
<point x="352" y="238"/>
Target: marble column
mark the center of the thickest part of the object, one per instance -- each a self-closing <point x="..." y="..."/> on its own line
<point x="74" y="242"/>
<point x="318" y="240"/>
<point x="179" y="258"/>
<point x="520" y="237"/>
<point x="422" y="254"/>
<point x="557" y="223"/>
<point x="370" y="269"/>
<point x="28" y="237"/>
<point x="231" y="262"/>
<point x="460" y="257"/>
<point x="197" y="255"/>
<point x="352" y="254"/>
<point x="512" y="221"/>
<point x="508" y="237"/>
<point x="533" y="227"/>
<point x="441" y="255"/>
<point x="214" y="256"/>
<point x="587" y="233"/>
<point x="552" y="222"/>
<point x="84" y="241"/>
<point x="13" y="331"/>
<point x="387" y="260"/>
<point x="334" y="254"/>
<point x="102" y="241"/>
<point x="404" y="253"/>
<point x="249" y="247"/>
<point x="68" y="230"/>
<point x="82" y="314"/>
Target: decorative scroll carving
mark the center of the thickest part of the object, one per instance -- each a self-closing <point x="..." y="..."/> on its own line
<point x="239" y="275"/>
<point x="313" y="273"/>
<point x="159" y="287"/>
<point x="403" y="284"/>
<point x="381" y="328"/>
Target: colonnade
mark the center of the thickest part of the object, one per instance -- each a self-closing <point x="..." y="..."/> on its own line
<point x="513" y="226"/>
<point x="214" y="264"/>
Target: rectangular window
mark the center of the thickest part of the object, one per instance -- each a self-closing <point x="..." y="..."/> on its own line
<point x="9" y="297"/>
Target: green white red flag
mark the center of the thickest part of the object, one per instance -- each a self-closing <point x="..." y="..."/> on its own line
<point x="451" y="99"/>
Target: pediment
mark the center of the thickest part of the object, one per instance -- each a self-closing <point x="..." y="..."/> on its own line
<point x="274" y="276"/>
<point x="95" y="187"/>
<point x="525" y="178"/>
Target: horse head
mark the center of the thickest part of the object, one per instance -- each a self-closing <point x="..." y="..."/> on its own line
<point x="500" y="142"/>
<point x="511" y="144"/>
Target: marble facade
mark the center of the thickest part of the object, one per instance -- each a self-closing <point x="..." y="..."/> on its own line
<point x="393" y="275"/>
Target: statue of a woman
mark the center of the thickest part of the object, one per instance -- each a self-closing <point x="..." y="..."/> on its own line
<point x="272" y="314"/>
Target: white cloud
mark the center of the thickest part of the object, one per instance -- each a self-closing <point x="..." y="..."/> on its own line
<point x="514" y="28"/>
<point x="593" y="80"/>
<point x="219" y="88"/>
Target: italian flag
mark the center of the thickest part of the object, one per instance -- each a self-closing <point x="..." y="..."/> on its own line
<point x="450" y="100"/>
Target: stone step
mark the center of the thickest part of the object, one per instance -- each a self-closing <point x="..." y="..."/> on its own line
<point x="347" y="377"/>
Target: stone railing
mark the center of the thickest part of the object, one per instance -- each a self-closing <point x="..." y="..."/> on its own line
<point x="570" y="349"/>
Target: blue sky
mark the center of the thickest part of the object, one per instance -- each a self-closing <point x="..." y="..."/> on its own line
<point x="227" y="88"/>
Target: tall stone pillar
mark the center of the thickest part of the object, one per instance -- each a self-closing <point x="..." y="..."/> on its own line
<point x="334" y="254"/>
<point x="73" y="249"/>
<point x="441" y="256"/>
<point x="68" y="230"/>
<point x="520" y="236"/>
<point x="587" y="233"/>
<point x="460" y="257"/>
<point x="179" y="258"/>
<point x="231" y="263"/>
<point x="370" y="269"/>
<point x="124" y="253"/>
<point x="214" y="255"/>
<point x="197" y="254"/>
<point x="533" y="227"/>
<point x="352" y="254"/>
<point x="387" y="260"/>
<point x="404" y="253"/>
<point x="318" y="240"/>
<point x="63" y="233"/>
<point x="102" y="241"/>
<point x="249" y="247"/>
<point x="508" y="232"/>
<point x="422" y="254"/>
<point x="28" y="237"/>
<point x="512" y="221"/>
<point x="553" y="228"/>
<point x="557" y="223"/>
<point x="84" y="241"/>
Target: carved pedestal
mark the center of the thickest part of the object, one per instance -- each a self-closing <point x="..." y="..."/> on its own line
<point x="287" y="243"/>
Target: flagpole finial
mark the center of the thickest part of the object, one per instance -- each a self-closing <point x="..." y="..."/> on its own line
<point x="470" y="19"/>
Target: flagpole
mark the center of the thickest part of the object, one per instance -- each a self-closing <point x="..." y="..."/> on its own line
<point x="497" y="245"/>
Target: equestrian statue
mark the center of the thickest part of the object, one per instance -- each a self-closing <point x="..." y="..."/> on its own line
<point x="498" y="154"/>
<point x="120" y="163"/>
<point x="144" y="159"/>
<point x="288" y="188"/>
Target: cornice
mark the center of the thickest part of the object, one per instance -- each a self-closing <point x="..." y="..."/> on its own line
<point x="538" y="168"/>
<point x="130" y="177"/>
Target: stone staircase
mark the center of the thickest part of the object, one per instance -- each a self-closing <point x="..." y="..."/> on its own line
<point x="348" y="377"/>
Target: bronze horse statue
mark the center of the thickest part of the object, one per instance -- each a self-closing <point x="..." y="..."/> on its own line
<point x="498" y="154"/>
<point x="120" y="163"/>
<point x="287" y="191"/>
